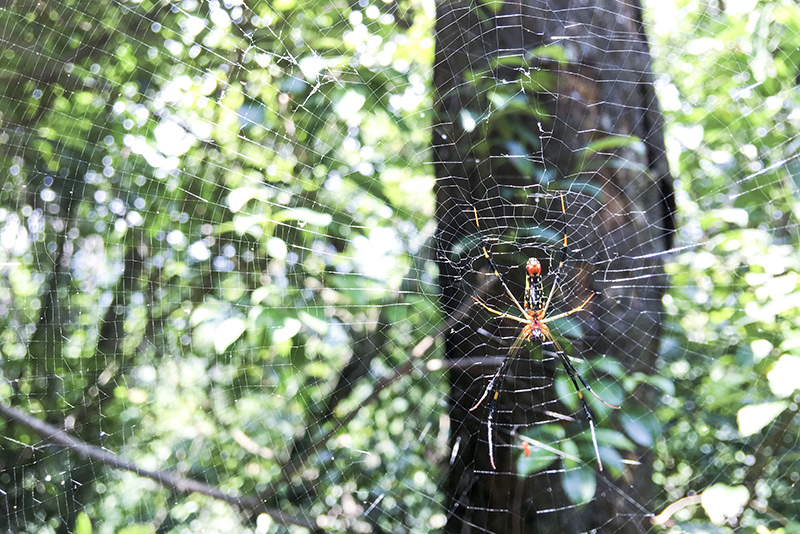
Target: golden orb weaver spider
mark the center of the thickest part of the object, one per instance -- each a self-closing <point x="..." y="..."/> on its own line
<point x="534" y="320"/>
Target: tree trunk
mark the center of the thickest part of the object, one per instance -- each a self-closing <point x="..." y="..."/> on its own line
<point x="523" y="93"/>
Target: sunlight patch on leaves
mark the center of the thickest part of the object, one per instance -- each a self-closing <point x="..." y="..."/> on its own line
<point x="784" y="379"/>
<point x="722" y="502"/>
<point x="227" y="333"/>
<point x="753" y="418"/>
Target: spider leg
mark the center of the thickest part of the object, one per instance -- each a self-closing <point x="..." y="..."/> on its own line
<point x="499" y="313"/>
<point x="567" y="314"/>
<point x="496" y="272"/>
<point x="494" y="386"/>
<point x="565" y="359"/>
<point x="492" y="408"/>
<point x="501" y="371"/>
<point x="574" y="376"/>
<point x="570" y="369"/>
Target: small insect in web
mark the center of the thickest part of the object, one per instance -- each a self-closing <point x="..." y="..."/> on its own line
<point x="534" y="320"/>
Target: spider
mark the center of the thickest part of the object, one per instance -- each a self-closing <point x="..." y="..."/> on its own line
<point x="534" y="321"/>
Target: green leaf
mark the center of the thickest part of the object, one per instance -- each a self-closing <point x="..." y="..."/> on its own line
<point x="613" y="463"/>
<point x="276" y="248"/>
<point x="543" y="448"/>
<point x="637" y="430"/>
<point x="662" y="383"/>
<point x="604" y="364"/>
<point x="565" y="391"/>
<point x="494" y="6"/>
<point x="572" y="454"/>
<point x="241" y="196"/>
<point x="227" y="333"/>
<point x="137" y="529"/>
<point x="537" y="460"/>
<point x="751" y="419"/>
<point x="614" y="439"/>
<point x="568" y="327"/>
<point x="290" y="328"/>
<point x="320" y="326"/>
<point x="579" y="484"/>
<point x="610" y="142"/>
<point x="517" y="62"/>
<point x="304" y="216"/>
<point x="83" y="525"/>
<point x="550" y="51"/>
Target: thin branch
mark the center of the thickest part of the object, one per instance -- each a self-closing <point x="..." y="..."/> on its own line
<point x="664" y="519"/>
<point x="167" y="479"/>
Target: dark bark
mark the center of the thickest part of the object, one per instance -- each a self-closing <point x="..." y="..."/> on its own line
<point x="604" y="88"/>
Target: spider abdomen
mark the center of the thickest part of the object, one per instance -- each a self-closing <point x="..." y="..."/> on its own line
<point x="534" y="289"/>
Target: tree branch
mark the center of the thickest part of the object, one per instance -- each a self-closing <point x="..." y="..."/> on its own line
<point x="167" y="479"/>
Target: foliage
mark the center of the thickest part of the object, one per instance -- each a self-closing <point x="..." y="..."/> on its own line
<point x="207" y="212"/>
<point x="730" y="101"/>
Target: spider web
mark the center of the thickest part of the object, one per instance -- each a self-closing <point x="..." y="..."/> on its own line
<point x="240" y="241"/>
